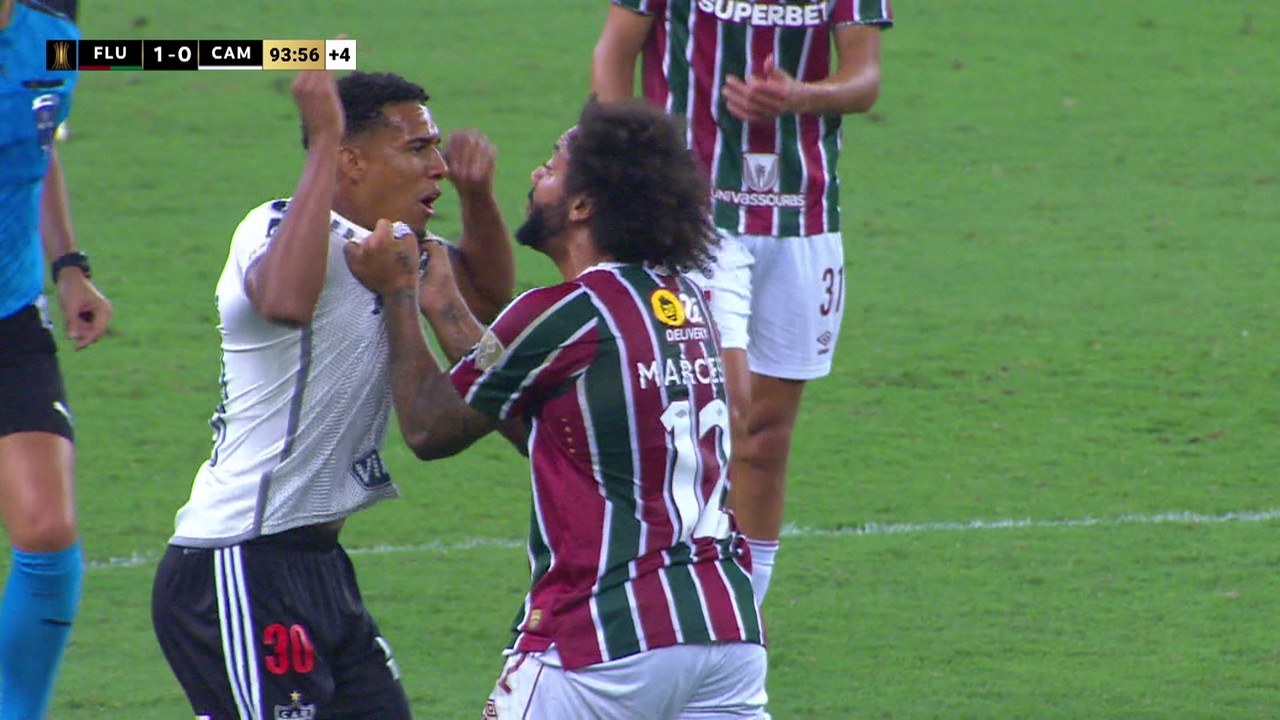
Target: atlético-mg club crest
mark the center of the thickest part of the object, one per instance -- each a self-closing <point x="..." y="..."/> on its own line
<point x="295" y="710"/>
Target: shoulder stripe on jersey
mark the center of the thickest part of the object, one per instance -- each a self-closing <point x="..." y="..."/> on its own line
<point x="239" y="639"/>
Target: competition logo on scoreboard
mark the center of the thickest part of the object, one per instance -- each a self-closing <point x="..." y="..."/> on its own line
<point x="60" y="54"/>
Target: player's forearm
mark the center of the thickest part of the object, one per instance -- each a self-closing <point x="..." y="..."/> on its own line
<point x="855" y="93"/>
<point x="855" y="85"/>
<point x="433" y="419"/>
<point x="456" y="329"/>
<point x="56" y="234"/>
<point x="285" y="283"/>
<point x="483" y="257"/>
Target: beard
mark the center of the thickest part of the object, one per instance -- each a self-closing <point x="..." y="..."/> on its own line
<point x="543" y="223"/>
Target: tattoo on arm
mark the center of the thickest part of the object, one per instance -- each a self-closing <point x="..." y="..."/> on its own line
<point x="444" y="424"/>
<point x="433" y="419"/>
<point x="456" y="328"/>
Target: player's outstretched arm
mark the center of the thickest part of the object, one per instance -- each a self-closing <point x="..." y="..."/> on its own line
<point x="284" y="282"/>
<point x="434" y="421"/>
<point x="85" y="309"/>
<point x="613" y="65"/>
<point x="486" y="266"/>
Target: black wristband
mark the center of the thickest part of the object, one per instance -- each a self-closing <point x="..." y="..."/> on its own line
<point x="71" y="259"/>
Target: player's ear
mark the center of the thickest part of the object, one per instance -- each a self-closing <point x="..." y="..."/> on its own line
<point x="351" y="163"/>
<point x="581" y="207"/>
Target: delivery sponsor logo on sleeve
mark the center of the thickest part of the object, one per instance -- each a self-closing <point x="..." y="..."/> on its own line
<point x="667" y="307"/>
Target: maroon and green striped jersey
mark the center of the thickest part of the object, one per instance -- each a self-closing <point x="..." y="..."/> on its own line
<point x="619" y="372"/>
<point x="767" y="178"/>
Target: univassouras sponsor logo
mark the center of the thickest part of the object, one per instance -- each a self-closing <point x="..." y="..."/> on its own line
<point x="758" y="199"/>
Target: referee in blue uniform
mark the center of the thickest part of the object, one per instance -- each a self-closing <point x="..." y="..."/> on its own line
<point x="36" y="450"/>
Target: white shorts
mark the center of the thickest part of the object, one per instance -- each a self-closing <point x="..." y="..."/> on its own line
<point x="680" y="682"/>
<point x="780" y="298"/>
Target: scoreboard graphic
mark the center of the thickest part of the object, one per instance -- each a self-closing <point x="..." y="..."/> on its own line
<point x="200" y="55"/>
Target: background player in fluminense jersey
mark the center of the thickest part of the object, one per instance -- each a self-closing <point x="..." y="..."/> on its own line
<point x="640" y="604"/>
<point x="753" y="80"/>
<point x="255" y="604"/>
<point x="37" y="453"/>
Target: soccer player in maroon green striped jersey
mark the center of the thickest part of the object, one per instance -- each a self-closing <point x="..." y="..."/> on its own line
<point x="754" y="81"/>
<point x="641" y="603"/>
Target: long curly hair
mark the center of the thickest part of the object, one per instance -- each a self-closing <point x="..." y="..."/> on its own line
<point x="650" y="196"/>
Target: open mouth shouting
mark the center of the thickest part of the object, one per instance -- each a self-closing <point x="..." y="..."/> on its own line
<point x="428" y="202"/>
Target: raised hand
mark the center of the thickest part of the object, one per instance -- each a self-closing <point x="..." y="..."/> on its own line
<point x="473" y="161"/>
<point x="316" y="94"/>
<point x="765" y="95"/>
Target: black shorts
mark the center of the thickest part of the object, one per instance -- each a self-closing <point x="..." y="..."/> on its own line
<point x="277" y="625"/>
<point x="32" y="396"/>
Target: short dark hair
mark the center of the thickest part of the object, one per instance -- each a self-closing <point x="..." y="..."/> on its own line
<point x="651" y="198"/>
<point x="363" y="96"/>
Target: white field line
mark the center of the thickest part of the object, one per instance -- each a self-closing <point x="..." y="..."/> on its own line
<point x="139" y="559"/>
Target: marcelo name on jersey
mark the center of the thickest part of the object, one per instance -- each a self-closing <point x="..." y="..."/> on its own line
<point x="763" y="14"/>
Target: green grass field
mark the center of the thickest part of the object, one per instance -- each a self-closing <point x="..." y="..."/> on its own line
<point x="1040" y="482"/>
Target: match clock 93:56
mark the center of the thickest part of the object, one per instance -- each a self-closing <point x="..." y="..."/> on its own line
<point x="293" y="55"/>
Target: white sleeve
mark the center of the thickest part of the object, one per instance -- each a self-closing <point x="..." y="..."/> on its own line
<point x="253" y="235"/>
